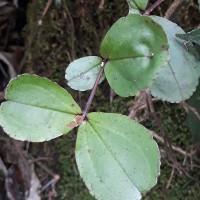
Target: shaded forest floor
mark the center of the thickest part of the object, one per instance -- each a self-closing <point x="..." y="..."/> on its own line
<point x="71" y="30"/>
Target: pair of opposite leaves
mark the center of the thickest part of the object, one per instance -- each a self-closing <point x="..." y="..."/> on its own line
<point x="110" y="148"/>
<point x="138" y="59"/>
<point x="39" y="110"/>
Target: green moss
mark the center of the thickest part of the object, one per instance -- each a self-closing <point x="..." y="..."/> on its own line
<point x="180" y="188"/>
<point x="174" y="119"/>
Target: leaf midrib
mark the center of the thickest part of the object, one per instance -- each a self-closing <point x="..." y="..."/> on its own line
<point x="85" y="71"/>
<point x="135" y="57"/>
<point x="176" y="80"/>
<point x="86" y="138"/>
<point x="45" y="108"/>
<point x="114" y="157"/>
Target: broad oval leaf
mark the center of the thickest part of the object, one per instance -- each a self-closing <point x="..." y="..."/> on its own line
<point x="136" y="49"/>
<point x="82" y="73"/>
<point x="137" y="4"/>
<point x="117" y="157"/>
<point x="179" y="78"/>
<point x="193" y="36"/>
<point x="37" y="109"/>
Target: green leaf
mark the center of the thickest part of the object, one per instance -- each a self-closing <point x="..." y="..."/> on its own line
<point x="37" y="109"/>
<point x="117" y="157"/>
<point x="193" y="48"/>
<point x="136" y="47"/>
<point x="193" y="36"/>
<point x="137" y="4"/>
<point x="179" y="78"/>
<point x="82" y="73"/>
<point x="194" y="122"/>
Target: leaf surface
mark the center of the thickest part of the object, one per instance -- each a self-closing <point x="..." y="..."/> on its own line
<point x="179" y="78"/>
<point x="36" y="109"/>
<point x="137" y="50"/>
<point x="193" y="36"/>
<point x="82" y="73"/>
<point x="117" y="157"/>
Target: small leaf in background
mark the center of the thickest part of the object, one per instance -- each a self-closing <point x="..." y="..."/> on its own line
<point x="37" y="109"/>
<point x="137" y="49"/>
<point x="194" y="122"/>
<point x="179" y="78"/>
<point x="82" y="73"/>
<point x="132" y="7"/>
<point x="117" y="157"/>
<point x="137" y="4"/>
<point x="193" y="49"/>
<point x="193" y="36"/>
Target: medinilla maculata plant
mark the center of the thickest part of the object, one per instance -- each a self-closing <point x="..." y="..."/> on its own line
<point x="117" y="157"/>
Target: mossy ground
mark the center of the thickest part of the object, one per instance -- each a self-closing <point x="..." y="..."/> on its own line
<point x="72" y="30"/>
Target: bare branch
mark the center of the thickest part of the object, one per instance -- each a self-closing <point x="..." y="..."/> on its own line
<point x="175" y="148"/>
<point x="151" y="8"/>
<point x="188" y="107"/>
<point x="172" y="8"/>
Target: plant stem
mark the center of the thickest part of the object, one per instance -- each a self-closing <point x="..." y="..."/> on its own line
<point x="89" y="101"/>
<point x="152" y="7"/>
